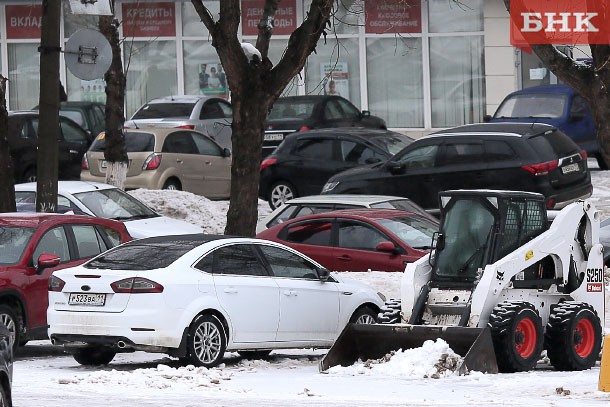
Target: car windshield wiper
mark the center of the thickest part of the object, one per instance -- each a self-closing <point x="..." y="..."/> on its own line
<point x="464" y="266"/>
<point x="422" y="247"/>
<point x="135" y="217"/>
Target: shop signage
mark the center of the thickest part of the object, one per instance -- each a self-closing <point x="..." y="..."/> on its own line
<point x="559" y="22"/>
<point x="284" y="23"/>
<point x="23" y="21"/>
<point x="392" y="16"/>
<point x="149" y="19"/>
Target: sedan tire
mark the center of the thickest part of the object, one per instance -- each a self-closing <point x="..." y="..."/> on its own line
<point x="281" y="192"/>
<point x="206" y="342"/>
<point x="364" y="315"/>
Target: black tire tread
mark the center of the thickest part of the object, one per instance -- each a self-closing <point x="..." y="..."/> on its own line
<point x="558" y="333"/>
<point x="501" y="323"/>
<point x="94" y="356"/>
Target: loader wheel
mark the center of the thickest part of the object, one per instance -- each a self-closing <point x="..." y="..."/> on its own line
<point x="516" y="330"/>
<point x="573" y="336"/>
<point x="364" y="315"/>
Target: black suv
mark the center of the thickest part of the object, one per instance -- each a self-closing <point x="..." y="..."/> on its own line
<point x="505" y="156"/>
<point x="23" y="143"/>
<point x="304" y="161"/>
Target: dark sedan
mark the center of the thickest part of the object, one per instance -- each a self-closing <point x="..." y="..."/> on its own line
<point x="300" y="113"/>
<point x="23" y="144"/>
<point x="306" y="160"/>
<point x="358" y="239"/>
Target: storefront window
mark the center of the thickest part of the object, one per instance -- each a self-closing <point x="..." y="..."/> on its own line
<point x="337" y="60"/>
<point x="199" y="57"/>
<point x="192" y="26"/>
<point x="457" y="80"/>
<point x="455" y="16"/>
<point x="23" y="75"/>
<point x="151" y="72"/>
<point x="347" y="16"/>
<point x="75" y="22"/>
<point x="395" y="80"/>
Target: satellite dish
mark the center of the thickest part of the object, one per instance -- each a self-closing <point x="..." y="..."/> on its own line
<point x="88" y="54"/>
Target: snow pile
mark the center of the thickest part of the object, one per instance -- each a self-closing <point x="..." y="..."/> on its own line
<point x="161" y="377"/>
<point x="434" y="359"/>
<point x="195" y="209"/>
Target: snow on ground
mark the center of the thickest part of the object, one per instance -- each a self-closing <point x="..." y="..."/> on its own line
<point x="44" y="375"/>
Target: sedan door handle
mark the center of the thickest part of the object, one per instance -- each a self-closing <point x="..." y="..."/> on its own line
<point x="208" y="163"/>
<point x="344" y="257"/>
<point x="231" y="290"/>
<point x="179" y="161"/>
<point x="73" y="152"/>
<point x="290" y="293"/>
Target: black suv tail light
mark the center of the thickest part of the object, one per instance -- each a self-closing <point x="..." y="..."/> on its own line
<point x="267" y="162"/>
<point x="541" y="168"/>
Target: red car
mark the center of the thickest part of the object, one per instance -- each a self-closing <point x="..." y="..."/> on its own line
<point x="358" y="239"/>
<point x="32" y="246"/>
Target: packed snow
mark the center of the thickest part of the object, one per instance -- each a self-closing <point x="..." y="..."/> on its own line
<point x="44" y="375"/>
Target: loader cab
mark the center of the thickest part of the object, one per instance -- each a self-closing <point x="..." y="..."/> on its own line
<point x="479" y="227"/>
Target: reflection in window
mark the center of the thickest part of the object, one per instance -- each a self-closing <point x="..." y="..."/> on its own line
<point x="314" y="233"/>
<point x="152" y="72"/>
<point x="235" y="260"/>
<point x="423" y="157"/>
<point x="53" y="242"/>
<point x="88" y="241"/>
<point x="457" y="80"/>
<point x="287" y="264"/>
<point x="315" y="149"/>
<point x="360" y="237"/>
<point x="395" y="80"/>
<point x="23" y="75"/>
<point x="455" y="16"/>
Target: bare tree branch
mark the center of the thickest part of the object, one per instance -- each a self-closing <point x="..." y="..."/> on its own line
<point x="205" y="15"/>
<point x="265" y="27"/>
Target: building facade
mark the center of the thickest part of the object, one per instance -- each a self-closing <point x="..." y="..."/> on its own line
<point x="419" y="64"/>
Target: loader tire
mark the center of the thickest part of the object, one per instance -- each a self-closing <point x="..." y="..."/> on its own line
<point x="573" y="336"/>
<point x="516" y="330"/>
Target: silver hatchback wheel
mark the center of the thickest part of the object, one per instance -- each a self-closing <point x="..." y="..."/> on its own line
<point x="207" y="341"/>
<point x="365" y="319"/>
<point x="280" y="193"/>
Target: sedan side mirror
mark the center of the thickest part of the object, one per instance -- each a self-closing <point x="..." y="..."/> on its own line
<point x="226" y="152"/>
<point x="365" y="113"/>
<point x="46" y="260"/>
<point x="323" y="274"/>
<point x="487" y="118"/>
<point x="386" y="247"/>
<point x="395" y="167"/>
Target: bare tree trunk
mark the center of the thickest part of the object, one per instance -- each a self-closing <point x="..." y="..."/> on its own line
<point x="115" y="153"/>
<point x="48" y="125"/>
<point x="255" y="85"/>
<point x="7" y="176"/>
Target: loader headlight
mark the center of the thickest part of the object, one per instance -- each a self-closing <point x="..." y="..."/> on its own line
<point x="329" y="186"/>
<point x="381" y="296"/>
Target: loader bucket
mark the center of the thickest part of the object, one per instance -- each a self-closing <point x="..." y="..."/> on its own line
<point x="366" y="341"/>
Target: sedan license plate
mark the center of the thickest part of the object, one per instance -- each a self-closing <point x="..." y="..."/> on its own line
<point x="87" y="299"/>
<point x="274" y="137"/>
<point x="104" y="164"/>
<point x="570" y="168"/>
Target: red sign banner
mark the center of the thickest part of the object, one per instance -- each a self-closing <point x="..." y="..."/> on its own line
<point x="392" y="16"/>
<point x="23" y="21"/>
<point x="559" y="22"/>
<point x="284" y="23"/>
<point x="149" y="19"/>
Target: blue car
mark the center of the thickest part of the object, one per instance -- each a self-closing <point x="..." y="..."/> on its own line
<point x="558" y="105"/>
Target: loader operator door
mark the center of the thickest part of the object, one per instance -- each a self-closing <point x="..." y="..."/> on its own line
<point x="466" y="232"/>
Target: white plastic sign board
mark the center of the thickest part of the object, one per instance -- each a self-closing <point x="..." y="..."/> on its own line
<point x="92" y="7"/>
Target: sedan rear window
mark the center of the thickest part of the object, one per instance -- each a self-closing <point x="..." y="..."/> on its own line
<point x="164" y="111"/>
<point x="291" y="110"/>
<point x="143" y="256"/>
<point x="135" y="142"/>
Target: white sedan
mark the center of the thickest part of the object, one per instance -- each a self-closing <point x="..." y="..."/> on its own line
<point x="107" y="201"/>
<point x="197" y="296"/>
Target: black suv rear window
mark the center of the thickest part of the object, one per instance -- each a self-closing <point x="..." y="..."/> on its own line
<point x="552" y="145"/>
<point x="134" y="142"/>
<point x="164" y="111"/>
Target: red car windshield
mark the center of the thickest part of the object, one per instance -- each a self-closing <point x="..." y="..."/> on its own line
<point x="415" y="231"/>
<point x="13" y="241"/>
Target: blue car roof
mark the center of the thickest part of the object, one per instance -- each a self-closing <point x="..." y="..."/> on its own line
<point x="557" y="88"/>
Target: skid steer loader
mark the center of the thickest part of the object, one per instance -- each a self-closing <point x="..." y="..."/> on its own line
<point x="499" y="286"/>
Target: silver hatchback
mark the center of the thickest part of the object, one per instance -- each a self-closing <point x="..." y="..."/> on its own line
<point x="209" y="115"/>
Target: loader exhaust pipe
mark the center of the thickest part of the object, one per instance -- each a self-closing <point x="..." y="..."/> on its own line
<point x="363" y="342"/>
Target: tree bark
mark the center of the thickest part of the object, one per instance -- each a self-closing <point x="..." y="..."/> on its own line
<point x="115" y="153"/>
<point x="254" y="88"/>
<point x="591" y="81"/>
<point x="48" y="122"/>
<point x="7" y="175"/>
